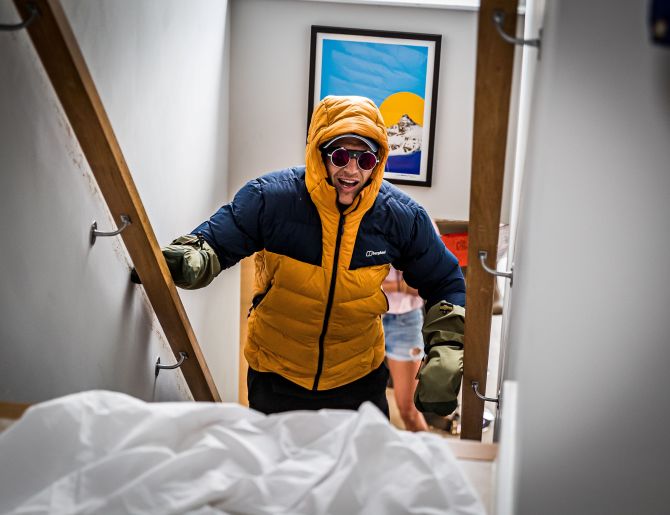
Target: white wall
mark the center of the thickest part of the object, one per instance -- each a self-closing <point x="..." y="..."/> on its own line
<point x="269" y="88"/>
<point x="589" y="325"/>
<point x="71" y="320"/>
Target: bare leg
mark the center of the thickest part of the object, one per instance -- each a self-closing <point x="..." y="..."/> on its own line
<point x="404" y="384"/>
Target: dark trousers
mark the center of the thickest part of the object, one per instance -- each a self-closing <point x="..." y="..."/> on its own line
<point x="271" y="393"/>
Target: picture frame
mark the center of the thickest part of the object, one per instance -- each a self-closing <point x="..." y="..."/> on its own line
<point x="399" y="71"/>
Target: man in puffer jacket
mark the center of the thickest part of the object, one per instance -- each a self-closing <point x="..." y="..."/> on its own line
<point x="325" y="235"/>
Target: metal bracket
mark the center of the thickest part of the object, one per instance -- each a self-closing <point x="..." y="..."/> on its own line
<point x="508" y="275"/>
<point x="34" y="13"/>
<point x="160" y="367"/>
<point x="475" y="388"/>
<point x="95" y="233"/>
<point x="499" y="19"/>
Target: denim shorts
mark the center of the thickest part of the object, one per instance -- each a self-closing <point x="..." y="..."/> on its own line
<point x="403" y="335"/>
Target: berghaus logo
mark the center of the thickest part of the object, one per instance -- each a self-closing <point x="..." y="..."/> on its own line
<point x="371" y="253"/>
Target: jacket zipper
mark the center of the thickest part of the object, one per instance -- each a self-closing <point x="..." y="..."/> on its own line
<point x="329" y="304"/>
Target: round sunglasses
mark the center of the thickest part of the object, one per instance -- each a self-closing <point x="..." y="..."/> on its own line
<point x="365" y="159"/>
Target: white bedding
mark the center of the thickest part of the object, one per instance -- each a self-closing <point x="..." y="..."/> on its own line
<point x="105" y="452"/>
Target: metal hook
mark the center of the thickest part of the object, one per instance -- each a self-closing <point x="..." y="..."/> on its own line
<point x="34" y="13"/>
<point x="509" y="275"/>
<point x="475" y="388"/>
<point x="170" y="367"/>
<point x="498" y="20"/>
<point x="95" y="233"/>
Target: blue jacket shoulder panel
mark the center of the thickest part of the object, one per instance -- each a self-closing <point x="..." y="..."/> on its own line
<point x="398" y="230"/>
<point x="291" y="222"/>
<point x="273" y="212"/>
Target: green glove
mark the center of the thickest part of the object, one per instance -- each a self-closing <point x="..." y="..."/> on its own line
<point x="442" y="369"/>
<point x="192" y="262"/>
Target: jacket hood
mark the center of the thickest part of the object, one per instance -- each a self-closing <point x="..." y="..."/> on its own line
<point x="333" y="116"/>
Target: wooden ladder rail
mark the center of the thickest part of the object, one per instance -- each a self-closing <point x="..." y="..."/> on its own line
<point x="12" y="410"/>
<point x="495" y="61"/>
<point x="65" y="66"/>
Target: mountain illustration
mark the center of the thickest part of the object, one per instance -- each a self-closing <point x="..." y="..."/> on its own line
<point x="405" y="136"/>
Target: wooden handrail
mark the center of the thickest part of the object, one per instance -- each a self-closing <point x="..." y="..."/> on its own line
<point x="495" y="61"/>
<point x="64" y="63"/>
<point x="12" y="410"/>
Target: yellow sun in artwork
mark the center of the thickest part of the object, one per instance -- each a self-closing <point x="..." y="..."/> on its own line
<point x="398" y="104"/>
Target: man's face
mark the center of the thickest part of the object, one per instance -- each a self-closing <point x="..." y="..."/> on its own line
<point x="348" y="180"/>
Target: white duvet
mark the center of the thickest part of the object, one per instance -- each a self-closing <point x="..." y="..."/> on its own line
<point x="104" y="452"/>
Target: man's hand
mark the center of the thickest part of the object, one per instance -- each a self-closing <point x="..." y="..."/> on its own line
<point x="442" y="370"/>
<point x="192" y="262"/>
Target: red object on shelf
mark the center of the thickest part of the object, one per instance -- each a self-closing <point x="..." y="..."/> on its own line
<point x="457" y="243"/>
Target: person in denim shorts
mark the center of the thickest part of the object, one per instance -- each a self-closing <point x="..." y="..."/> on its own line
<point x="404" y="345"/>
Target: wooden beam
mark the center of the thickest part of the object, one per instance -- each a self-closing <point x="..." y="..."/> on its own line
<point x="495" y="61"/>
<point x="62" y="59"/>
<point x="12" y="410"/>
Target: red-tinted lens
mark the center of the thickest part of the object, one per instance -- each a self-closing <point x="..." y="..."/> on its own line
<point x="367" y="161"/>
<point x="340" y="157"/>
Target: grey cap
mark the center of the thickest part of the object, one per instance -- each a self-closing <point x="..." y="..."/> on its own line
<point x="369" y="142"/>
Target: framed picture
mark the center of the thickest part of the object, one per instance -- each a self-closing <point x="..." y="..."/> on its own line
<point x="399" y="71"/>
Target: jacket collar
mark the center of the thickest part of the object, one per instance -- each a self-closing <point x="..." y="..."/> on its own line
<point x="340" y="115"/>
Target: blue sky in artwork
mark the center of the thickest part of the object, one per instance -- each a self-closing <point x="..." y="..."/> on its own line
<point x="373" y="70"/>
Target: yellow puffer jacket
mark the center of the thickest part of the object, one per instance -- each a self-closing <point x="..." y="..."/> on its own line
<point x="316" y="314"/>
<point x="296" y="331"/>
